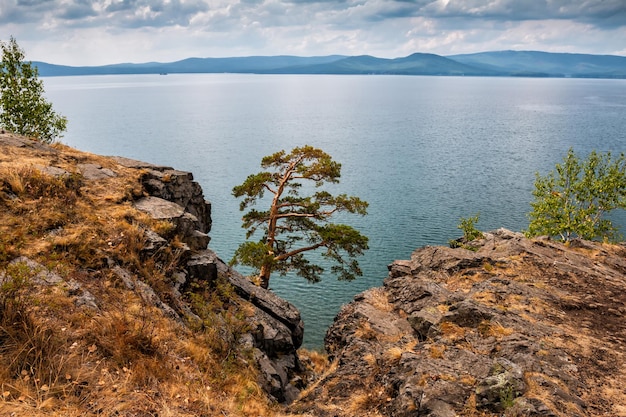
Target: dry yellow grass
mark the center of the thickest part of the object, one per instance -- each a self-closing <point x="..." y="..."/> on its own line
<point x="452" y="332"/>
<point x="394" y="353"/>
<point x="322" y="368"/>
<point x="464" y="282"/>
<point x="470" y="409"/>
<point x="126" y="358"/>
<point x="317" y="361"/>
<point x="468" y="380"/>
<point x="377" y="297"/>
<point x="365" y="403"/>
<point x="437" y="351"/>
<point x="365" y="331"/>
<point x="489" y="328"/>
<point x="486" y="297"/>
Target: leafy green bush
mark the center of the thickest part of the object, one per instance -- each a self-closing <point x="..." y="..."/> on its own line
<point x="23" y="109"/>
<point x="573" y="200"/>
<point x="468" y="226"/>
<point x="470" y="232"/>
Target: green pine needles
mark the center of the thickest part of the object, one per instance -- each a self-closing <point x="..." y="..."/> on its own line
<point x="295" y="224"/>
<point x="573" y="200"/>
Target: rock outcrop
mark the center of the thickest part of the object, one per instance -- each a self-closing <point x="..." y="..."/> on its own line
<point x="274" y="326"/>
<point x="174" y="196"/>
<point x="277" y="328"/>
<point x="517" y="328"/>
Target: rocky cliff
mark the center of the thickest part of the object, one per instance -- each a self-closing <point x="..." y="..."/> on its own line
<point x="109" y="258"/>
<point x="276" y="328"/>
<point x="516" y="328"/>
<point x="112" y="304"/>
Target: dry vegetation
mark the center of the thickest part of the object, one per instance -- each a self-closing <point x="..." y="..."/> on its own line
<point x="124" y="358"/>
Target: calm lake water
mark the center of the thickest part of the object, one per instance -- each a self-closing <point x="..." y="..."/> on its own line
<point x="423" y="151"/>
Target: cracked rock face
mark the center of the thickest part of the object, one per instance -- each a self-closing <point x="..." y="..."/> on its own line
<point x="276" y="326"/>
<point x="519" y="327"/>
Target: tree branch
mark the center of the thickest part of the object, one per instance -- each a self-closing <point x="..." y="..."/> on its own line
<point x="270" y="189"/>
<point x="297" y="251"/>
<point x="316" y="214"/>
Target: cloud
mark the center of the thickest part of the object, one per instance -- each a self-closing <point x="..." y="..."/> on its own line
<point x="23" y="11"/>
<point x="77" y="10"/>
<point x="597" y="12"/>
<point x="143" y="30"/>
<point x="155" y="13"/>
<point x="112" y="13"/>
<point x="120" y="6"/>
<point x="132" y="14"/>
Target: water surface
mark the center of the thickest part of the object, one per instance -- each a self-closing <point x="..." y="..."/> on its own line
<point x="423" y="151"/>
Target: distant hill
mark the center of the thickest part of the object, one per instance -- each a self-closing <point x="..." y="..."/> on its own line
<point x="534" y="63"/>
<point x="415" y="64"/>
<point x="502" y="63"/>
<point x="251" y="64"/>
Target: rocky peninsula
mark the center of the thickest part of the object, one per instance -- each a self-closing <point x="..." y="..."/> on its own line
<point x="113" y="304"/>
<point x="518" y="327"/>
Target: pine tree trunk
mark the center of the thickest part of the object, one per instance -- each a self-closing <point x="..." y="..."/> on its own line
<point x="264" y="276"/>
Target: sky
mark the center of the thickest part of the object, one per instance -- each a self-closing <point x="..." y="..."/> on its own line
<point x="98" y="32"/>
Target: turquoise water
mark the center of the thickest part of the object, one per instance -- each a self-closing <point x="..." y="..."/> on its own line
<point x="423" y="151"/>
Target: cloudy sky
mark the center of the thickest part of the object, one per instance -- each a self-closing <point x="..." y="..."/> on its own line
<point x="95" y="32"/>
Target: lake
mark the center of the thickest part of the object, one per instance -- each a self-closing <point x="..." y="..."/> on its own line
<point x="423" y="151"/>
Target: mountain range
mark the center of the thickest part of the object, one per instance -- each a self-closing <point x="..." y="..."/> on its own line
<point x="499" y="63"/>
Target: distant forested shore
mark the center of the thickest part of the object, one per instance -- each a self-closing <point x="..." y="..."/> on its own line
<point x="494" y="64"/>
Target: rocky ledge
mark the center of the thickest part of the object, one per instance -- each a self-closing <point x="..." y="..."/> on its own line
<point x="274" y="326"/>
<point x="277" y="328"/>
<point x="518" y="327"/>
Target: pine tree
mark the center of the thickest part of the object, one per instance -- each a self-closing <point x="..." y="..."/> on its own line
<point x="295" y="224"/>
